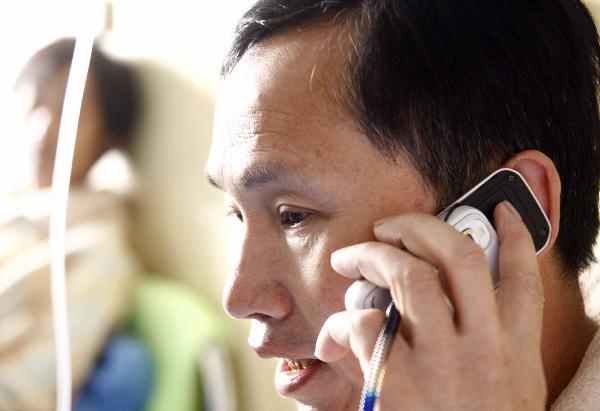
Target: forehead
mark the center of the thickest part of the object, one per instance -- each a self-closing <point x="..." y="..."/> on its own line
<point x="304" y="64"/>
<point x="280" y="105"/>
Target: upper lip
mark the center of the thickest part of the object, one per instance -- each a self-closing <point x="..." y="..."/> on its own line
<point x="264" y="351"/>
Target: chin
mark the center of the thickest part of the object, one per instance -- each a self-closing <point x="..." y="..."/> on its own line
<point x="341" y="406"/>
<point x="329" y="388"/>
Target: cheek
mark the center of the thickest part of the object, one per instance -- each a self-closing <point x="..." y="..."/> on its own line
<point x="322" y="295"/>
<point x="323" y="288"/>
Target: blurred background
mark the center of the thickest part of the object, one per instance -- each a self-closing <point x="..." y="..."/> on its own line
<point x="180" y="231"/>
<point x="175" y="49"/>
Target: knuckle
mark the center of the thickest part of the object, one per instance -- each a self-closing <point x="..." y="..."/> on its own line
<point x="519" y="235"/>
<point x="365" y="247"/>
<point x="362" y="250"/>
<point x="407" y="222"/>
<point x="362" y="320"/>
<point x="407" y="217"/>
<point x="519" y="231"/>
<point x="466" y="253"/>
<point x="395" y="221"/>
<point x="358" y="320"/>
<point x="488" y="360"/>
<point x="531" y="284"/>
<point x="491" y="357"/>
<point x="416" y="275"/>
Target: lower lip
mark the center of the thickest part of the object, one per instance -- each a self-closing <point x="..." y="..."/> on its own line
<point x="288" y="381"/>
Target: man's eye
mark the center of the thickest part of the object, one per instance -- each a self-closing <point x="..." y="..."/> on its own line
<point x="292" y="218"/>
<point x="236" y="213"/>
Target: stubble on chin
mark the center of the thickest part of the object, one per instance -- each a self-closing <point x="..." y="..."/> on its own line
<point x="350" y="404"/>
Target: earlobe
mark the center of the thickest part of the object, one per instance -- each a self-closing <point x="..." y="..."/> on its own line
<point x="541" y="175"/>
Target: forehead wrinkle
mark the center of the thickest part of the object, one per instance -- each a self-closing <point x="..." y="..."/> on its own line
<point x="264" y="132"/>
<point x="266" y="120"/>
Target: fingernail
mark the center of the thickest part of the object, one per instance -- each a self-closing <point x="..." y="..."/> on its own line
<point x="326" y="348"/>
<point x="511" y="209"/>
<point x="337" y="257"/>
<point x="379" y="222"/>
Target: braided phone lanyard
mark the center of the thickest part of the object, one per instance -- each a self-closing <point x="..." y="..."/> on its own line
<point x="376" y="372"/>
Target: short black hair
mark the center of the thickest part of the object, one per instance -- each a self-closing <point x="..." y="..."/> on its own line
<point x="459" y="87"/>
<point x="116" y="85"/>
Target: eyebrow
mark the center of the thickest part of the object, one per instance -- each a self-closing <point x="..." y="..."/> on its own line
<point x="211" y="180"/>
<point x="261" y="175"/>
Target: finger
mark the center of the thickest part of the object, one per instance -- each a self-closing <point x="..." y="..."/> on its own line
<point x="462" y="262"/>
<point x="520" y="294"/>
<point x="414" y="284"/>
<point x="343" y="264"/>
<point x="346" y="332"/>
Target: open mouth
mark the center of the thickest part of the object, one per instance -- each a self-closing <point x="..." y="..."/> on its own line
<point x="301" y="364"/>
<point x="292" y="374"/>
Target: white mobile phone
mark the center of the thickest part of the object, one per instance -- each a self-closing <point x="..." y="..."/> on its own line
<point x="472" y="214"/>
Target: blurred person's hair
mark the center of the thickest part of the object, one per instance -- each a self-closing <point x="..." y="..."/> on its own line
<point x="459" y="87"/>
<point x="116" y="85"/>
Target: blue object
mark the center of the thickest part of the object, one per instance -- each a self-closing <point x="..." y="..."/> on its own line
<point x="370" y="401"/>
<point x="122" y="379"/>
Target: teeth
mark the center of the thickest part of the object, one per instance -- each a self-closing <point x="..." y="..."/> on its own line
<point x="299" y="365"/>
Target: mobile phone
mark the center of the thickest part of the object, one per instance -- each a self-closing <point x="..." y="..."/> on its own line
<point x="472" y="215"/>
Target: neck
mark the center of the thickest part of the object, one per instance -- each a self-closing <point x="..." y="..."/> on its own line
<point x="566" y="334"/>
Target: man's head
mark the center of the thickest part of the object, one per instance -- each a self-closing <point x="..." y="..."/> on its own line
<point x="108" y="113"/>
<point x="335" y="114"/>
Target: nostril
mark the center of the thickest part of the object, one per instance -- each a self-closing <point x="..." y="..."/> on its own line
<point x="259" y="317"/>
<point x="246" y="298"/>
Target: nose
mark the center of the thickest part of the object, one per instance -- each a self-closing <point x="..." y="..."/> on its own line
<point x="256" y="286"/>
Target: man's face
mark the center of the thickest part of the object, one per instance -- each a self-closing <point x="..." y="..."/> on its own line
<point x="304" y="181"/>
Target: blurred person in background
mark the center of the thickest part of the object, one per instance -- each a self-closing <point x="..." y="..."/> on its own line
<point x="111" y="370"/>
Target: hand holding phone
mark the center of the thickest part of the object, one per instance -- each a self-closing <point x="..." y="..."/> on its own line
<point x="470" y="222"/>
<point x="469" y="215"/>
<point x="409" y="256"/>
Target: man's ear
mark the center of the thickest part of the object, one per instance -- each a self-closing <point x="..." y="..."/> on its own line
<point x="541" y="175"/>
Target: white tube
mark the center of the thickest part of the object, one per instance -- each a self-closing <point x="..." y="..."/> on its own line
<point x="61" y="179"/>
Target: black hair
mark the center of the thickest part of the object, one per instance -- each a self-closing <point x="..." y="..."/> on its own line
<point x="116" y="85"/>
<point x="459" y="87"/>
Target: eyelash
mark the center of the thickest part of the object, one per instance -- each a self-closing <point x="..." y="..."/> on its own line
<point x="287" y="218"/>
<point x="235" y="212"/>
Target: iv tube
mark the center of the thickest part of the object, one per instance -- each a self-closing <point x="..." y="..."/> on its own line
<point x="59" y="197"/>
